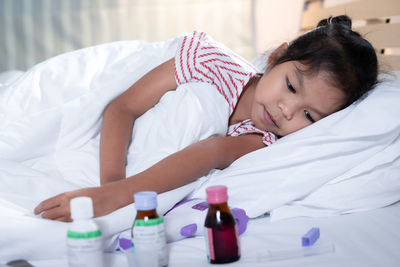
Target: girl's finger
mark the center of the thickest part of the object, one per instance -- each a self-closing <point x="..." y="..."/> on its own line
<point x="55" y="213"/>
<point x="63" y="219"/>
<point x="48" y="204"/>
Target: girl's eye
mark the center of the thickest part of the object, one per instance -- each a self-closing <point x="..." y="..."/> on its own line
<point x="290" y="86"/>
<point x="308" y="116"/>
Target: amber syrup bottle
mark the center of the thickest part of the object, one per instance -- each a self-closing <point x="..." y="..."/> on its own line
<point x="148" y="228"/>
<point x="221" y="234"/>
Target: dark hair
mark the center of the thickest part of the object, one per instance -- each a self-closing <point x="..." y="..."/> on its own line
<point x="349" y="60"/>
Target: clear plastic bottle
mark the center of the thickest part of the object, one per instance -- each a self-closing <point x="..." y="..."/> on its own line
<point x="84" y="241"/>
<point x="221" y="234"/>
<point x="148" y="232"/>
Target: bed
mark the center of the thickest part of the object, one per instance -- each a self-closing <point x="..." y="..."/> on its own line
<point x="341" y="174"/>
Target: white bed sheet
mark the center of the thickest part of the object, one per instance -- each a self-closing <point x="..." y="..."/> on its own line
<point x="370" y="238"/>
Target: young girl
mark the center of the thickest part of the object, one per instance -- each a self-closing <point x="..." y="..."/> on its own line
<point x="317" y="74"/>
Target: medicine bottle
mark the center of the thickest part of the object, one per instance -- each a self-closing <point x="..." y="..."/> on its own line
<point x="84" y="242"/>
<point x="221" y="234"/>
<point x="148" y="232"/>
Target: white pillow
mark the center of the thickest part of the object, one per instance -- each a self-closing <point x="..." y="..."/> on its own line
<point x="375" y="182"/>
<point x="347" y="162"/>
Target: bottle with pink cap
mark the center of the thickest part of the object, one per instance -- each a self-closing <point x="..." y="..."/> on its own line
<point x="221" y="234"/>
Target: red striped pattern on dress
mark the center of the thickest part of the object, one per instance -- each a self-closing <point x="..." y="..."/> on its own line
<point x="248" y="126"/>
<point x="200" y="58"/>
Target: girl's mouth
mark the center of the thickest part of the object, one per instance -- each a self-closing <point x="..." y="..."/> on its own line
<point x="268" y="118"/>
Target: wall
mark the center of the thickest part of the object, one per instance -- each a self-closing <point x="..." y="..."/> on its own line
<point x="277" y="22"/>
<point x="34" y="30"/>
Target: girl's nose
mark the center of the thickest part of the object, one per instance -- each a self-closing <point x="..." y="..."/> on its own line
<point x="287" y="110"/>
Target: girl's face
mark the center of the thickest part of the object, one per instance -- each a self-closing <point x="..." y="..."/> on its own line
<point x="286" y="100"/>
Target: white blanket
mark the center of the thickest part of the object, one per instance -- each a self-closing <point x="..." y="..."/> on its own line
<point x="49" y="136"/>
<point x="50" y="119"/>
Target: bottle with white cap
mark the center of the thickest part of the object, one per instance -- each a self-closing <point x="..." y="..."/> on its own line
<point x="84" y="240"/>
<point x="148" y="233"/>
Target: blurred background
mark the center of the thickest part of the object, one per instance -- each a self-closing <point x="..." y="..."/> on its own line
<point x="34" y="30"/>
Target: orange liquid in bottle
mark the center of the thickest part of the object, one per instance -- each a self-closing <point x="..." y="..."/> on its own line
<point x="148" y="228"/>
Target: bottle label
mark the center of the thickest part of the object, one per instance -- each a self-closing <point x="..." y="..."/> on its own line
<point x="237" y="238"/>
<point x="150" y="235"/>
<point x="222" y="244"/>
<point x="85" y="235"/>
<point x="149" y="222"/>
<point x="85" y="248"/>
<point x="209" y="243"/>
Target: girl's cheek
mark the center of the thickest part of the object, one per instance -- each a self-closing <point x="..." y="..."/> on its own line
<point x="293" y="126"/>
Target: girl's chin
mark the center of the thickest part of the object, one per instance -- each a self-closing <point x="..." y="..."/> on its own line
<point x="264" y="127"/>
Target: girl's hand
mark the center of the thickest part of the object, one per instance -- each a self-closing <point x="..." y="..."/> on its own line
<point x="58" y="207"/>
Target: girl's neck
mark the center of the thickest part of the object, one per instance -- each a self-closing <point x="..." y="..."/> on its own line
<point x="243" y="107"/>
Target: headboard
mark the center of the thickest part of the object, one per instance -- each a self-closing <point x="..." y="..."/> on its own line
<point x="377" y="20"/>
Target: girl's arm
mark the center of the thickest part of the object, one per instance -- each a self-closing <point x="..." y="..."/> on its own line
<point x="175" y="170"/>
<point x="120" y="114"/>
<point x="187" y="165"/>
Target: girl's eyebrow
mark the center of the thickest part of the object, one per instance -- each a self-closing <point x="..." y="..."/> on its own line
<point x="299" y="76"/>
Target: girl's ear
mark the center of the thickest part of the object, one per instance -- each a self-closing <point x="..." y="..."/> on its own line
<point x="277" y="53"/>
